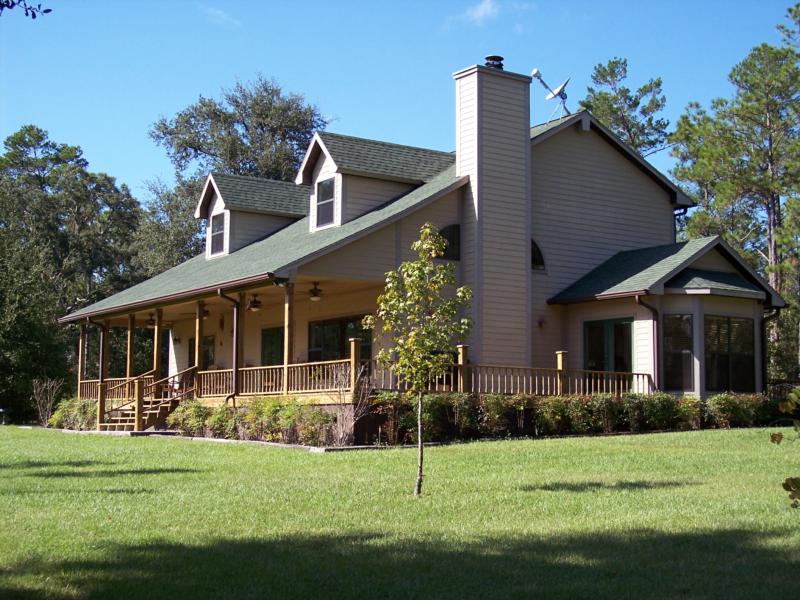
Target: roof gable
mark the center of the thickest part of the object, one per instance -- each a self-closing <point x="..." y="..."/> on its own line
<point x="587" y="121"/>
<point x="373" y="158"/>
<point x="254" y="194"/>
<point x="650" y="270"/>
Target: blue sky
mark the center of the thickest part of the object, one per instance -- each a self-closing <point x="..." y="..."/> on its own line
<point x="97" y="74"/>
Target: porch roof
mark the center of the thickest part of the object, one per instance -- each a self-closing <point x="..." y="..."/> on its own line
<point x="265" y="259"/>
<point x="650" y="270"/>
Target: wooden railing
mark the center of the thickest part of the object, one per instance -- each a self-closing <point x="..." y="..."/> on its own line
<point x="255" y="381"/>
<point x="215" y="383"/>
<point x="87" y="389"/>
<point x="326" y="376"/>
<point x="496" y="379"/>
<point x="170" y="386"/>
<point x="383" y="379"/>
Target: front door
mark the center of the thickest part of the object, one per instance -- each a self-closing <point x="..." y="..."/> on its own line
<point x="608" y="345"/>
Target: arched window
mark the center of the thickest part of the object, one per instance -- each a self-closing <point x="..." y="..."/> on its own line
<point x="452" y="233"/>
<point x="537" y="258"/>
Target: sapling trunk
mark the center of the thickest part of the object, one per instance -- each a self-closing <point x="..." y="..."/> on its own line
<point x="418" y="486"/>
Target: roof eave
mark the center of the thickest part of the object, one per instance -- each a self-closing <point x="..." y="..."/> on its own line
<point x="592" y="298"/>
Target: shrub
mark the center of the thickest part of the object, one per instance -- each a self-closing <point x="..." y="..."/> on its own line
<point x="462" y="413"/>
<point x="606" y="412"/>
<point x="225" y="422"/>
<point x="660" y="411"/>
<point x="553" y="414"/>
<point x="189" y="418"/>
<point x="738" y="410"/>
<point x="311" y="425"/>
<point x="632" y="415"/>
<point x="261" y="419"/>
<point x="689" y="412"/>
<point x="394" y="406"/>
<point x="75" y="413"/>
<point x="495" y="414"/>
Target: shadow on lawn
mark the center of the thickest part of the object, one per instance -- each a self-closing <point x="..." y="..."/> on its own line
<point x="45" y="464"/>
<point x="593" y="486"/>
<point x="730" y="564"/>
<point x="112" y="472"/>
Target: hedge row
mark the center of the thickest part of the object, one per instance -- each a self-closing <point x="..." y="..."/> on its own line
<point x="276" y="419"/>
<point x="462" y="416"/>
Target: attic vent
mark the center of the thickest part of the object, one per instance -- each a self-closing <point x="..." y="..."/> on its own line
<point x="494" y="62"/>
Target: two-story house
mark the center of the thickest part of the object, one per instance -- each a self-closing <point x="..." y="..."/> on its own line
<point x="565" y="235"/>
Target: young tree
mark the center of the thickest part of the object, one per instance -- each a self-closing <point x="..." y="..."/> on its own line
<point x="422" y="323"/>
<point x="254" y="130"/>
<point x="633" y="116"/>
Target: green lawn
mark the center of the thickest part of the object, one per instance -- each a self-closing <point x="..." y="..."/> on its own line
<point x="695" y="515"/>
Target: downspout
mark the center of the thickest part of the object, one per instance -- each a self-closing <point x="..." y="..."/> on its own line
<point x="764" y="321"/>
<point x="236" y="308"/>
<point x="656" y="354"/>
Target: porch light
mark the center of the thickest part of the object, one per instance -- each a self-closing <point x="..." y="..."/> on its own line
<point x="151" y="322"/>
<point x="205" y="314"/>
<point x="254" y="305"/>
<point x="315" y="294"/>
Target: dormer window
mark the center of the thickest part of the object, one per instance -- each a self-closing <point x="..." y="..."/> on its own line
<point x="325" y="202"/>
<point x="218" y="233"/>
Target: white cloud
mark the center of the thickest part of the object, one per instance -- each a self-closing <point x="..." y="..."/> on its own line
<point x="219" y="17"/>
<point x="482" y="12"/>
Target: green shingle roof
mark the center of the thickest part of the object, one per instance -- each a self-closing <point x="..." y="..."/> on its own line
<point x="256" y="194"/>
<point x="690" y="279"/>
<point x="382" y="159"/>
<point x="284" y="249"/>
<point x="542" y="128"/>
<point x="633" y="271"/>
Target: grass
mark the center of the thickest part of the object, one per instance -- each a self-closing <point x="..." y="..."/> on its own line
<point x="695" y="515"/>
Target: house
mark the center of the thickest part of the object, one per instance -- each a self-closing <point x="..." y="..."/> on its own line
<point x="565" y="235"/>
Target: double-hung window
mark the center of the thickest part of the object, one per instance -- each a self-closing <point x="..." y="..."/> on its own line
<point x="678" y="353"/>
<point x="217" y="233"/>
<point x="730" y="354"/>
<point x="325" y="202"/>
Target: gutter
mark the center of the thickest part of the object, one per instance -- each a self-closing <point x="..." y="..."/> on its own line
<point x="236" y="308"/>
<point x="656" y="353"/>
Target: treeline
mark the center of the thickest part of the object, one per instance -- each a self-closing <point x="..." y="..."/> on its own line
<point x="70" y="236"/>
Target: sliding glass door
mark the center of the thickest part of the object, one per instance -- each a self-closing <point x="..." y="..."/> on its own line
<point x="608" y="345"/>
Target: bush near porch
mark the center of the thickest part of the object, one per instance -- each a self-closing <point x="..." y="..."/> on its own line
<point x="455" y="416"/>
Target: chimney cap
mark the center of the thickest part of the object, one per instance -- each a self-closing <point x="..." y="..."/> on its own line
<point x="493" y="61"/>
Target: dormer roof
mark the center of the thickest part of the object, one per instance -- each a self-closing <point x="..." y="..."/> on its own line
<point x="373" y="158"/>
<point x="255" y="194"/>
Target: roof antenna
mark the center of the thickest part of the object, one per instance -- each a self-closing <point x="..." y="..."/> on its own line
<point x="560" y="92"/>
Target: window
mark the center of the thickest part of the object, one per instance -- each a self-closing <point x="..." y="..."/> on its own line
<point x="730" y="354"/>
<point x="329" y="340"/>
<point x="325" y="199"/>
<point x="452" y="233"/>
<point x="678" y="357"/>
<point x="537" y="258"/>
<point x="272" y="346"/>
<point x="208" y="352"/>
<point x="217" y="233"/>
<point x="608" y="345"/>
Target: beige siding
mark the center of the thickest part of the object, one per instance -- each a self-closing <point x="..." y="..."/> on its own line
<point x="492" y="119"/>
<point x="363" y="194"/>
<point x="370" y="257"/>
<point x="246" y="227"/>
<point x="713" y="261"/>
<point x="589" y="202"/>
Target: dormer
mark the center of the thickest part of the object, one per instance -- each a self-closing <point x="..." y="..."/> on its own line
<point x="350" y="176"/>
<point x="240" y="210"/>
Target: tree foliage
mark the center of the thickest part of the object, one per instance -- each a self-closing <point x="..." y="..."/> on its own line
<point x="29" y="9"/>
<point x="421" y="322"/>
<point x="65" y="241"/>
<point x="633" y="115"/>
<point x="255" y="129"/>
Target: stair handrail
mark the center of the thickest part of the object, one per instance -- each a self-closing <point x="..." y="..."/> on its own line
<point x="175" y="398"/>
<point x="155" y="384"/>
<point x="127" y="382"/>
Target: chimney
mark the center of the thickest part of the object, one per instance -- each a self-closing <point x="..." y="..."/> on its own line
<point x="493" y="148"/>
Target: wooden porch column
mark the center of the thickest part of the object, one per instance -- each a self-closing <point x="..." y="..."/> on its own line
<point x="157" y="332"/>
<point x="129" y="357"/>
<point x="198" y="345"/>
<point x="355" y="354"/>
<point x="561" y="359"/>
<point x="101" y="404"/>
<point x="103" y="371"/>
<point x="288" y="332"/>
<point x="81" y="354"/>
<point x="463" y="369"/>
<point x="138" y="404"/>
